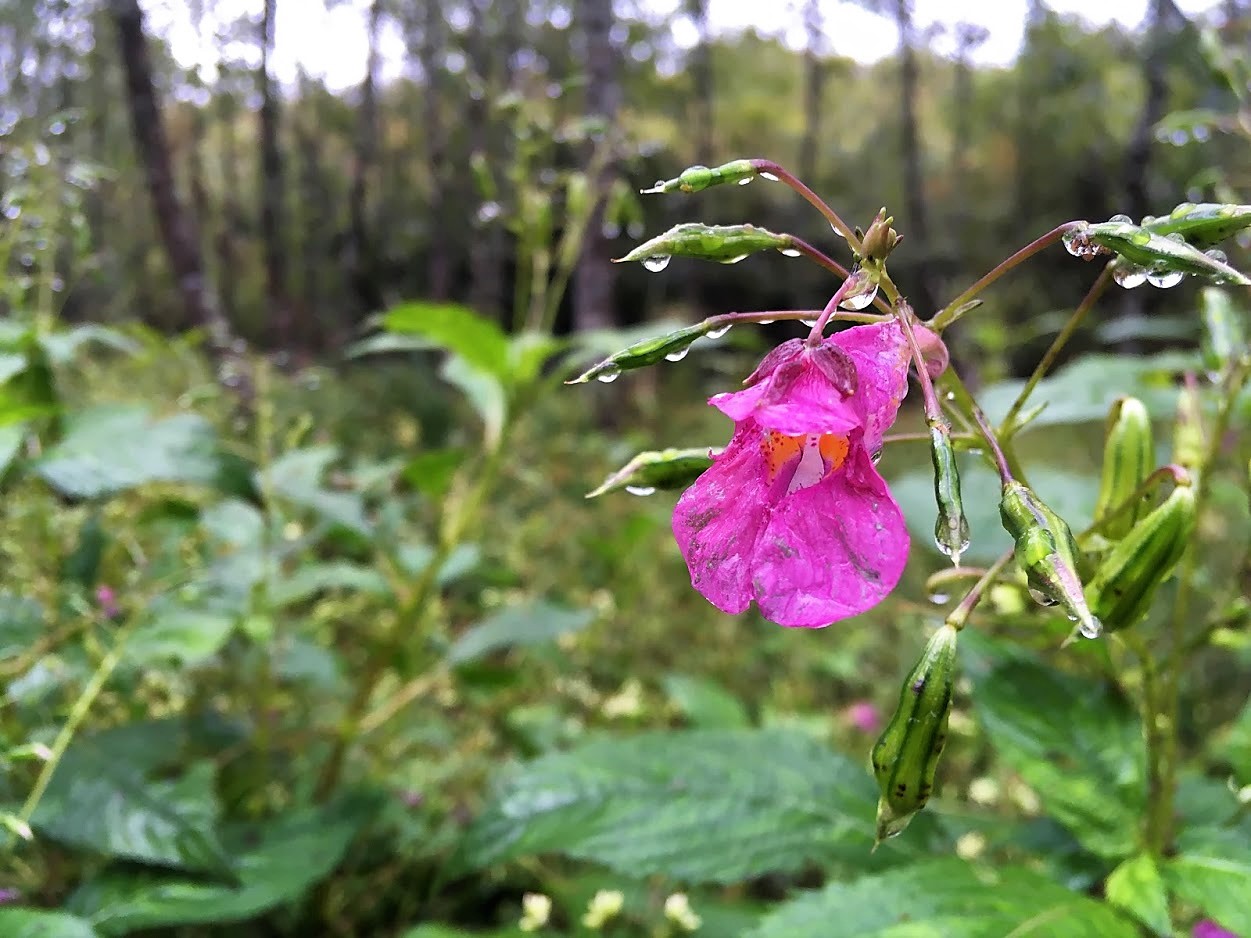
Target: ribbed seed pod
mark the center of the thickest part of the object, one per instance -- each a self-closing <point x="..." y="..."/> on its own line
<point x="1124" y="584"/>
<point x="951" y="530"/>
<point x="905" y="757"/>
<point x="1046" y="553"/>
<point x="1128" y="458"/>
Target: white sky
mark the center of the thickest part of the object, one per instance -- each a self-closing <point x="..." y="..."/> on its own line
<point x="331" y="42"/>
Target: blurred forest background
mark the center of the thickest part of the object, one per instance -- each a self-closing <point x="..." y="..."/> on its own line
<point x="276" y="617"/>
<point x="296" y="211"/>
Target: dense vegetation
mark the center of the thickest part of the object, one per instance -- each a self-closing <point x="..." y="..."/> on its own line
<point x="307" y="627"/>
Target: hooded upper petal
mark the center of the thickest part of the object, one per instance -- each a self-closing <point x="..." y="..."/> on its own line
<point x="718" y="520"/>
<point x="810" y="405"/>
<point x="881" y="354"/>
<point x="832" y="550"/>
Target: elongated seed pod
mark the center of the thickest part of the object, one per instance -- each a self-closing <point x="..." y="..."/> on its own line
<point x="951" y="530"/>
<point x="1046" y="552"/>
<point x="1125" y="583"/>
<point x="905" y="757"/>
<point x="1128" y="458"/>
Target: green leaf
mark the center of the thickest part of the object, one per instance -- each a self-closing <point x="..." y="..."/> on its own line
<point x="389" y="342"/>
<point x="1157" y="253"/>
<point x="1137" y="887"/>
<point x="179" y="633"/>
<point x="1202" y="225"/>
<point x="723" y="243"/>
<point x="277" y="862"/>
<point x="21" y="624"/>
<point x="101" y="800"/>
<point x="447" y="931"/>
<point x="431" y="472"/>
<point x="62" y="347"/>
<point x="36" y="923"/>
<point x="1212" y="871"/>
<point x="1076" y="742"/>
<point x="11" y="437"/>
<point x="11" y="364"/>
<point x="457" y="329"/>
<point x="705" y="703"/>
<point x="109" y="449"/>
<point x="701" y="805"/>
<point x="947" y="898"/>
<point x="297" y="478"/>
<point x="1083" y="391"/>
<point x="659" y="469"/>
<point x="482" y="389"/>
<point x="310" y="579"/>
<point x="529" y="624"/>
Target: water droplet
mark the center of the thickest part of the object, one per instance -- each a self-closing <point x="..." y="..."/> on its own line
<point x="658" y="187"/>
<point x="951" y="395"/>
<point x="56" y="128"/>
<point x="12" y="212"/>
<point x="657" y="262"/>
<point x="1078" y="244"/>
<point x="1217" y="255"/>
<point x="641" y="489"/>
<point x="610" y="374"/>
<point x="1041" y="598"/>
<point x="488" y="212"/>
<point x="790" y="252"/>
<point x="808" y="322"/>
<point x="719" y="331"/>
<point x="1123" y="219"/>
<point x="769" y="176"/>
<point x="746" y="181"/>
<point x="1180" y="138"/>
<point x="1165" y="279"/>
<point x="876" y="457"/>
<point x="859" y="300"/>
<point x="1091" y="628"/>
<point x="1129" y="275"/>
<point x="735" y="259"/>
<point x="765" y="322"/>
<point x="938" y="599"/>
<point x="678" y="355"/>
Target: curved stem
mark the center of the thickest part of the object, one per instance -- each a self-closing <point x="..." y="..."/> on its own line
<point x="960" y="615"/>
<point x="988" y="434"/>
<point x="767" y="316"/>
<point x="840" y="226"/>
<point x="818" y="327"/>
<point x="944" y="317"/>
<point x="834" y="267"/>
<point x="1057" y="345"/>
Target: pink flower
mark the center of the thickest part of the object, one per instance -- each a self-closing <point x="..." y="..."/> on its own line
<point x="1209" y="929"/>
<point x="863" y="715"/>
<point x="107" y="601"/>
<point x="793" y="513"/>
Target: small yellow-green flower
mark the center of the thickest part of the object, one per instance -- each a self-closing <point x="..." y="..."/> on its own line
<point x="536" y="909"/>
<point x="604" y="905"/>
<point x="678" y="910"/>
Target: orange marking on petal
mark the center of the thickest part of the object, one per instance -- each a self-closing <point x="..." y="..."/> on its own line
<point x="779" y="449"/>
<point x="834" y="449"/>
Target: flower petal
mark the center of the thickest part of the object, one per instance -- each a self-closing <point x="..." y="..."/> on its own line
<point x="810" y="405"/>
<point x="718" y="520"/>
<point x="881" y="354"/>
<point x="832" y="550"/>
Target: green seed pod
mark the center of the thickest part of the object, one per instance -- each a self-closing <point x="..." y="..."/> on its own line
<point x="698" y="178"/>
<point x="1202" y="225"/>
<point x="1189" y="444"/>
<point x="725" y="244"/>
<point x="672" y="346"/>
<point x="658" y="469"/>
<point x="951" y="530"/>
<point x="1047" y="553"/>
<point x="1123" y="586"/>
<point x="905" y="757"/>
<point x="1224" y="340"/>
<point x="1128" y="457"/>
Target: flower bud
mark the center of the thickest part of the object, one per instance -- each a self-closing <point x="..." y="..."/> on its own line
<point x="1046" y="553"/>
<point x="1128" y="457"/>
<point x="881" y="238"/>
<point x="905" y="757"/>
<point x="1124" y="584"/>
<point x="951" y="530"/>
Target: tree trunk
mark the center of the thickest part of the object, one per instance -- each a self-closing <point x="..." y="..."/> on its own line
<point x="365" y="273"/>
<point x="486" y="293"/>
<point x="273" y="227"/>
<point x="177" y="227"/>
<point x="814" y="87"/>
<point x="313" y="197"/>
<point x="595" y="277"/>
<point x="1138" y="153"/>
<point x="916" y="223"/>
<point x="429" y="55"/>
<point x="701" y="73"/>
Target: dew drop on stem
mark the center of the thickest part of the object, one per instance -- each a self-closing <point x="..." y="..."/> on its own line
<point x="657" y="262"/>
<point x="678" y="355"/>
<point x="640" y="489"/>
